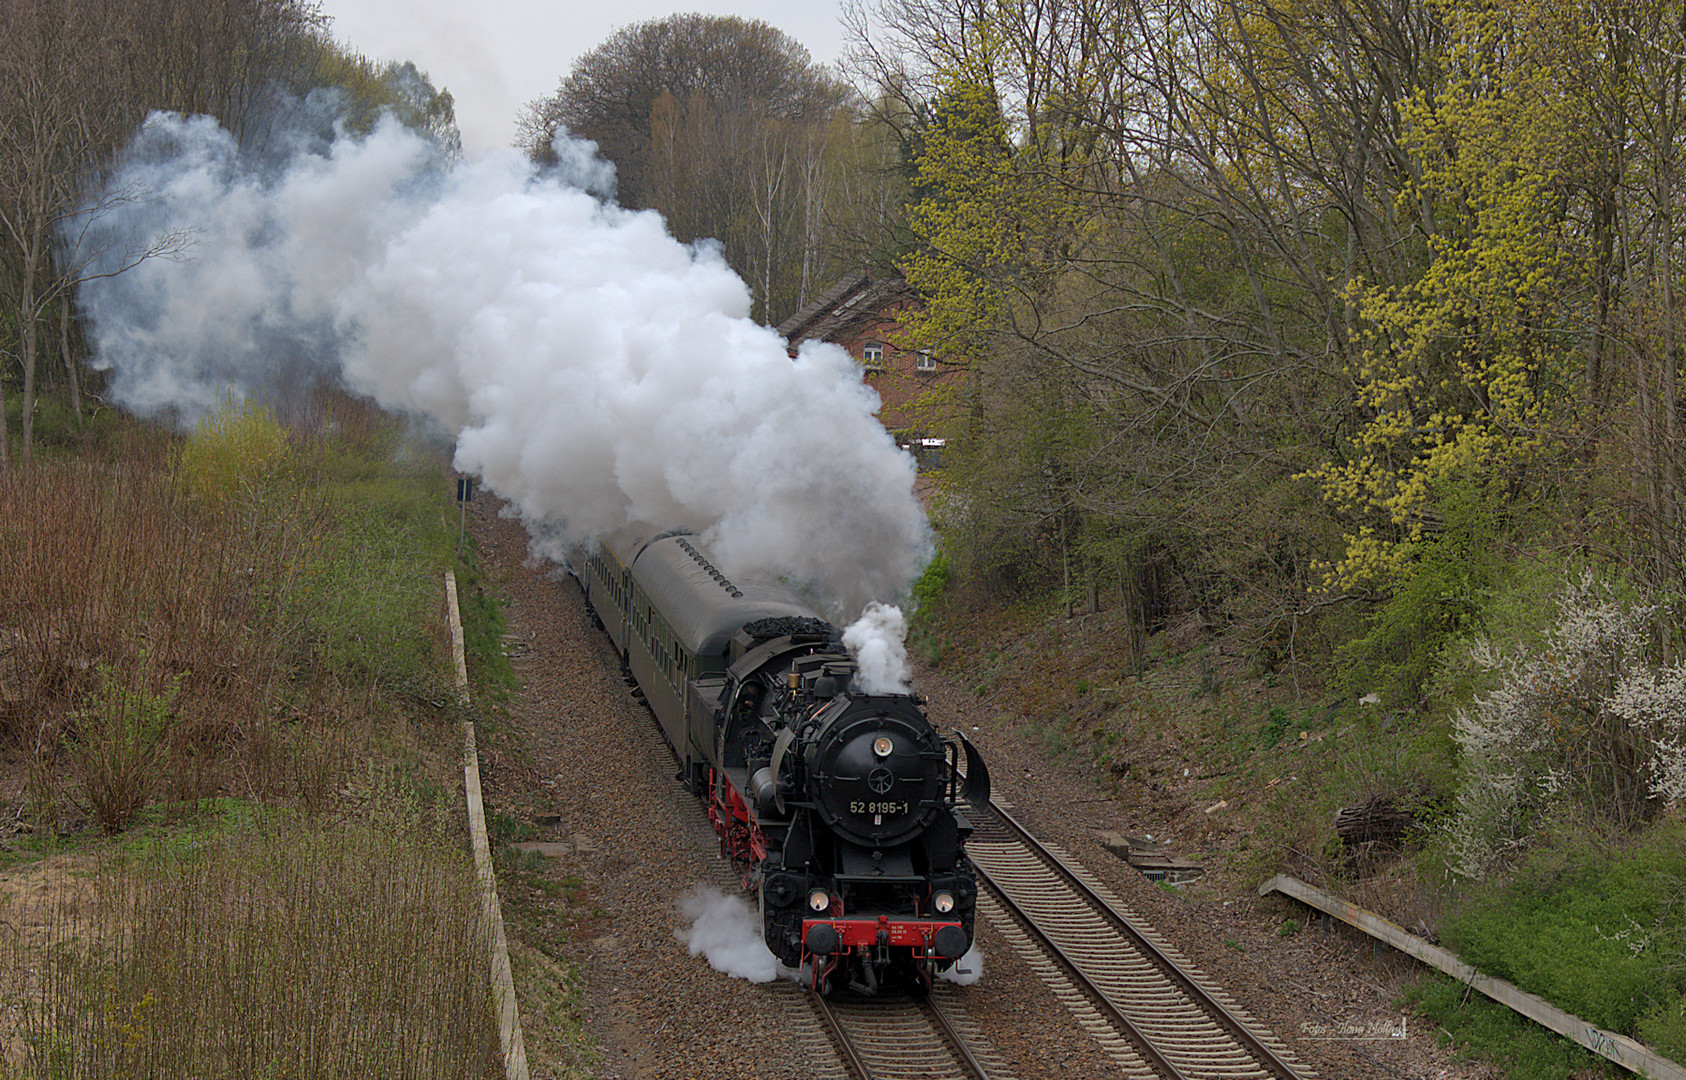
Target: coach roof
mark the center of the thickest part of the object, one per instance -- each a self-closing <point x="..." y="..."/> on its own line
<point x="704" y="606"/>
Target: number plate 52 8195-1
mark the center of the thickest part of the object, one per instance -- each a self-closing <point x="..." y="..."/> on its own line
<point x="877" y="807"/>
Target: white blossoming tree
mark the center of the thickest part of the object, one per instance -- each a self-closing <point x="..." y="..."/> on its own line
<point x="1584" y="712"/>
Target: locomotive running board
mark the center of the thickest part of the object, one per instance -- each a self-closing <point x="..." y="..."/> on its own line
<point x="976" y="788"/>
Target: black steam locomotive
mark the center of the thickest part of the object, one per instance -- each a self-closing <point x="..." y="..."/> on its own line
<point x="841" y="809"/>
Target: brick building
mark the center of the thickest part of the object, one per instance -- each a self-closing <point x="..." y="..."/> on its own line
<point x="860" y="313"/>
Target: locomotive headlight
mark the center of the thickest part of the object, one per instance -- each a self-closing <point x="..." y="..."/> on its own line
<point x="882" y="746"/>
<point x="819" y="899"/>
<point x="943" y="902"/>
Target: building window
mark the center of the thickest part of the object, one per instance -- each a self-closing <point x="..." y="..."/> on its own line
<point x="926" y="362"/>
<point x="872" y="357"/>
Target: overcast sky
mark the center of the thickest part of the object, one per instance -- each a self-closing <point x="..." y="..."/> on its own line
<point x="496" y="57"/>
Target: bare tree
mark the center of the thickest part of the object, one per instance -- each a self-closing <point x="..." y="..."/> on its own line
<point x="222" y="58"/>
<point x="76" y="78"/>
<point x="1636" y="246"/>
<point x="729" y="64"/>
<point x="708" y="120"/>
<point x="54" y="129"/>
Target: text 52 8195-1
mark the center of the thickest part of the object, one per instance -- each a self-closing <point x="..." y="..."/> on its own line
<point x="877" y="807"/>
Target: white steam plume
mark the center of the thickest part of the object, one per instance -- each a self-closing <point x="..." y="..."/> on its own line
<point x="592" y="370"/>
<point x="966" y="970"/>
<point x="725" y="930"/>
<point x="878" y="642"/>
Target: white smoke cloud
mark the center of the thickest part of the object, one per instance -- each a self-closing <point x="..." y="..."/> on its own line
<point x="878" y="641"/>
<point x="579" y="166"/>
<point x="592" y="370"/>
<point x="725" y="929"/>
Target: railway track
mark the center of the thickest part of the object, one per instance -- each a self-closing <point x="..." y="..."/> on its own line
<point x="1147" y="1007"/>
<point x="896" y="1038"/>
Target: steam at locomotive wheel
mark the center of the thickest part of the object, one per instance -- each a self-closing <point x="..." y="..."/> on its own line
<point x="842" y="809"/>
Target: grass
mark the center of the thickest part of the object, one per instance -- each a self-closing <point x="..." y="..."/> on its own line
<point x="484" y="626"/>
<point x="1482" y="1029"/>
<point x="553" y="1019"/>
<point x="225" y="695"/>
<point x="276" y="948"/>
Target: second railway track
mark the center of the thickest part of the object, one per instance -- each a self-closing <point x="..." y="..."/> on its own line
<point x="1144" y="1002"/>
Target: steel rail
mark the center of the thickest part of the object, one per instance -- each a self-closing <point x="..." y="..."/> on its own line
<point x="840" y="1038"/>
<point x="955" y="1040"/>
<point x="1101" y="1000"/>
<point x="901" y="1036"/>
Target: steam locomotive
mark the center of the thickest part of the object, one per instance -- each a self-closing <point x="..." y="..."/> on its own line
<point x="842" y="810"/>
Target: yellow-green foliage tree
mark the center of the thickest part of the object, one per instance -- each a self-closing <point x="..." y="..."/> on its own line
<point x="1458" y="373"/>
<point x="401" y="89"/>
<point x="996" y="201"/>
<point x="993" y="226"/>
<point x="963" y="217"/>
<point x="1090" y="249"/>
<point x="237" y="453"/>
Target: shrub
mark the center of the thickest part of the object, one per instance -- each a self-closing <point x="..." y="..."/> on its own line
<point x="1663" y="1028"/>
<point x="1442" y="597"/>
<point x="1579" y="711"/>
<point x="1277" y="723"/>
<point x="933" y="583"/>
<point x="117" y="746"/>
<point x="1480" y="1027"/>
<point x="236" y="453"/>
<point x="1597" y="934"/>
